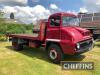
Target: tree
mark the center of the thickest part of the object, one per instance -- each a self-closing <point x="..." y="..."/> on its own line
<point x="12" y="16"/>
<point x="1" y="14"/>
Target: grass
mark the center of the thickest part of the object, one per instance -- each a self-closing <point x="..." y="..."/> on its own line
<point x="35" y="62"/>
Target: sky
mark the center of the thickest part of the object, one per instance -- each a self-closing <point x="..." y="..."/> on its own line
<point x="62" y="4"/>
<point x="29" y="11"/>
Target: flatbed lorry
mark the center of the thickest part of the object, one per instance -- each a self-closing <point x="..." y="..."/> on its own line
<point x="59" y="35"/>
<point x="91" y="21"/>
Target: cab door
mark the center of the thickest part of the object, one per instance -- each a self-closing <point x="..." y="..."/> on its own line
<point x="53" y="29"/>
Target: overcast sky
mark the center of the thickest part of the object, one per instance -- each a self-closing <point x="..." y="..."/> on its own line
<point x="41" y="9"/>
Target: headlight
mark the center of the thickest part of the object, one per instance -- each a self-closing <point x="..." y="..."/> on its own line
<point x="78" y="46"/>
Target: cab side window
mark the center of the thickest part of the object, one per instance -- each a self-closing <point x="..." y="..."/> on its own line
<point x="55" y="21"/>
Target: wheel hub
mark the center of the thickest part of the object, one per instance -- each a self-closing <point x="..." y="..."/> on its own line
<point x="53" y="54"/>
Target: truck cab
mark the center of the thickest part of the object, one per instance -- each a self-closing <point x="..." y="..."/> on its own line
<point x="59" y="35"/>
<point x="63" y="30"/>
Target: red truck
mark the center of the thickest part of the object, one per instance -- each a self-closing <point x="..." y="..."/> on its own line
<point x="59" y="35"/>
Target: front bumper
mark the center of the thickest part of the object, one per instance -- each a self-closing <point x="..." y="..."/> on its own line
<point x="84" y="46"/>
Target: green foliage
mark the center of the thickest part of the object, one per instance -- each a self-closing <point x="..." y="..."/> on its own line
<point x="7" y="28"/>
<point x="2" y="20"/>
<point x="29" y="27"/>
<point x="14" y="28"/>
<point x="3" y="38"/>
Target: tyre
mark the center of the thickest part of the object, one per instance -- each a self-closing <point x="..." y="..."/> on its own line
<point x="17" y="47"/>
<point x="55" y="54"/>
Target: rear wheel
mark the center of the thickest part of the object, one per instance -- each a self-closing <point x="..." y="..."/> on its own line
<point x="16" y="46"/>
<point x="54" y="53"/>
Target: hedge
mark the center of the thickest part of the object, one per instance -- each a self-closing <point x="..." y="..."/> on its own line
<point x="14" y="28"/>
<point x="7" y="28"/>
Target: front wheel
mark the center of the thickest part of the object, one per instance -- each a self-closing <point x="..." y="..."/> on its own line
<point x="54" y="53"/>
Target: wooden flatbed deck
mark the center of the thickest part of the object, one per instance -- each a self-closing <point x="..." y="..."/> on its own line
<point x="25" y="36"/>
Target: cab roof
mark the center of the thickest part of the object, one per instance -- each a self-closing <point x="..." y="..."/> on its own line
<point x="64" y="14"/>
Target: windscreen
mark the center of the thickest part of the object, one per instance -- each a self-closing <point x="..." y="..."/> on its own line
<point x="70" y="21"/>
